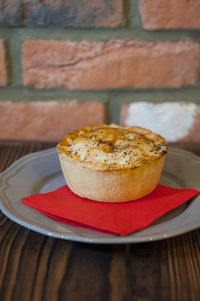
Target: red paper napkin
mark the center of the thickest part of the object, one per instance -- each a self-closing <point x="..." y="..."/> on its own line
<point x="114" y="218"/>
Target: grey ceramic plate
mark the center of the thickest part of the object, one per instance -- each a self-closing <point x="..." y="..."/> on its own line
<point x="40" y="172"/>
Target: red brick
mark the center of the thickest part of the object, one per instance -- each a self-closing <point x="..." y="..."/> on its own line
<point x="181" y="121"/>
<point x="3" y="69"/>
<point x="113" y="64"/>
<point x="46" y="120"/>
<point x="168" y="14"/>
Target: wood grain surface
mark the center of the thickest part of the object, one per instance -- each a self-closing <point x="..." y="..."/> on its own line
<point x="40" y="268"/>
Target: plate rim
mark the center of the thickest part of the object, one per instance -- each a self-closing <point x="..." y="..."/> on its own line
<point x="111" y="239"/>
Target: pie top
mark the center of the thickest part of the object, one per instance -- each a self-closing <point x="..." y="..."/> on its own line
<point x="112" y="147"/>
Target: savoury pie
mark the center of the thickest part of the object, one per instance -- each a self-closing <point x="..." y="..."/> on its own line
<point x="111" y="163"/>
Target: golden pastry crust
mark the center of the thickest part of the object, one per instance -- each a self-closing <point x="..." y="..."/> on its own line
<point x="112" y="147"/>
<point x="112" y="163"/>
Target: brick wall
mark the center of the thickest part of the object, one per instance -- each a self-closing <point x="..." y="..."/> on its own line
<point x="69" y="63"/>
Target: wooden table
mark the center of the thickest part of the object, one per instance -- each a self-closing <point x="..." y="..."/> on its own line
<point x="37" y="267"/>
